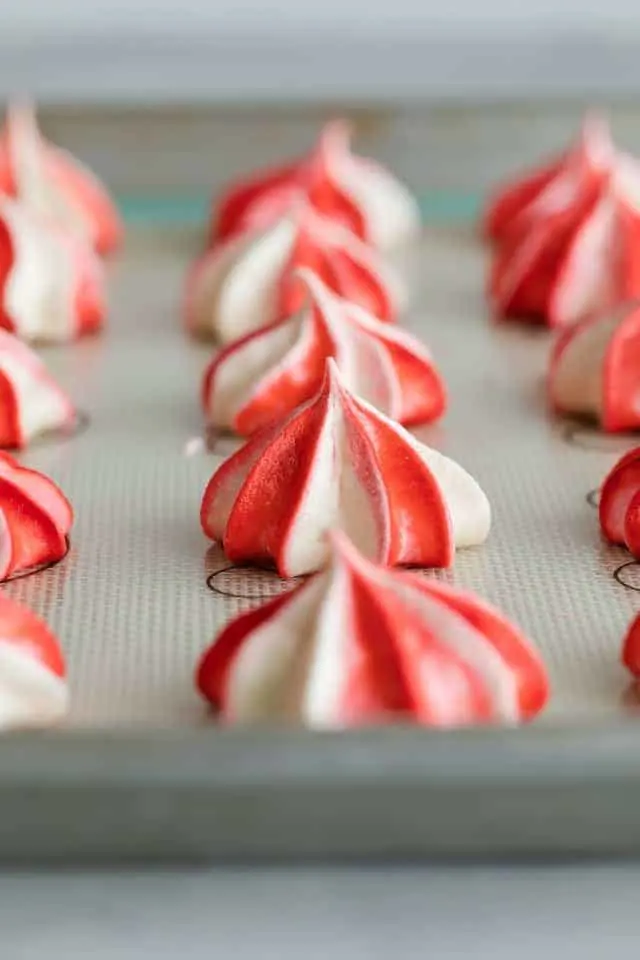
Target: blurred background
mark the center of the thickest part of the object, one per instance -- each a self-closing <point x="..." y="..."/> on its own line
<point x="453" y="94"/>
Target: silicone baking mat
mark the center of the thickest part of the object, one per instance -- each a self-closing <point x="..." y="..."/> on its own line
<point x="131" y="602"/>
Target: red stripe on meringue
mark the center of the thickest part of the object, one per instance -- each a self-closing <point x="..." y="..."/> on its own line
<point x="213" y="668"/>
<point x="631" y="648"/>
<point x="617" y="496"/>
<point x="255" y="202"/>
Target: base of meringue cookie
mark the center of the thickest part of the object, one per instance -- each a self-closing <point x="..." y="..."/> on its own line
<point x="362" y="644"/>
<point x="35" y="520"/>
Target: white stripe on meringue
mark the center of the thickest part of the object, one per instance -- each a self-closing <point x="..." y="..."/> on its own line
<point x="39" y="294"/>
<point x="268" y="677"/>
<point x="247" y="293"/>
<point x="589" y="279"/>
<point x="31" y="695"/>
<point x="36" y="186"/>
<point x="577" y="381"/>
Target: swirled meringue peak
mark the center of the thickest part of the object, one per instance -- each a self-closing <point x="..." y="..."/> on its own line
<point x="31" y="402"/>
<point x="33" y="689"/>
<point x="555" y="187"/>
<point x="54" y="184"/>
<point x="268" y="373"/>
<point x="353" y="190"/>
<point x="35" y="519"/>
<point x="337" y="463"/>
<point x="595" y="369"/>
<point x="250" y="282"/>
<point x="51" y="283"/>
<point x="620" y="503"/>
<point x="362" y="644"/>
<point x="576" y="261"/>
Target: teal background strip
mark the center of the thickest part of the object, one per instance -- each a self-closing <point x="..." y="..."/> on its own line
<point x="437" y="207"/>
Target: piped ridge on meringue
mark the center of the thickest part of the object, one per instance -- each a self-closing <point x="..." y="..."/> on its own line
<point x="55" y="185"/>
<point x="360" y="644"/>
<point x="35" y="519"/>
<point x="338" y="463"/>
<point x="357" y="192"/>
<point x="619" y="506"/>
<point x="268" y="373"/>
<point x="33" y="689"/>
<point x="595" y="369"/>
<point x="51" y="283"/>
<point x="249" y="282"/>
<point x="31" y="403"/>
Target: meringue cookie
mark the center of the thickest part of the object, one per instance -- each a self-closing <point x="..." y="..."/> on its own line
<point x="337" y="463"/>
<point x="577" y="262"/>
<point x="361" y="644"/>
<point x="631" y="648"/>
<point x="619" y="506"/>
<point x="555" y="187"/>
<point x="33" y="689"/>
<point x="54" y="184"/>
<point x="31" y="403"/>
<point x="352" y="190"/>
<point x="51" y="283"/>
<point x="268" y="373"/>
<point x="595" y="369"/>
<point x="35" y="519"/>
<point x="249" y="282"/>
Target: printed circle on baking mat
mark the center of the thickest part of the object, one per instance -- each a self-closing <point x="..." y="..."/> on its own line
<point x="628" y="575"/>
<point x="249" y="583"/>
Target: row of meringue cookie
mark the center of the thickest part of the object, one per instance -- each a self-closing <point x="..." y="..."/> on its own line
<point x="330" y="481"/>
<point x="56" y="218"/>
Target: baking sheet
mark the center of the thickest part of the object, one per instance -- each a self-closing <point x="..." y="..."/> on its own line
<point x="140" y="770"/>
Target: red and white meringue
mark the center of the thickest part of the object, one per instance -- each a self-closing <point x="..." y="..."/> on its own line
<point x="353" y="190"/>
<point x="337" y="463"/>
<point x="51" y="283"/>
<point x="249" y="282"/>
<point x="54" y="184"/>
<point x="555" y="187"/>
<point x="268" y="373"/>
<point x="595" y="369"/>
<point x="31" y="402"/>
<point x="619" y="506"/>
<point x="35" y="519"/>
<point x="361" y="644"/>
<point x="575" y="261"/>
<point x="33" y="688"/>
